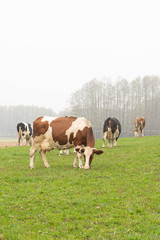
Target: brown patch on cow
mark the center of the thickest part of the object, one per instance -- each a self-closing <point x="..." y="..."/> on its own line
<point x="85" y="137"/>
<point x="71" y="138"/>
<point x="90" y="138"/>
<point x="59" y="127"/>
<point x="39" y="127"/>
<point x="80" y="138"/>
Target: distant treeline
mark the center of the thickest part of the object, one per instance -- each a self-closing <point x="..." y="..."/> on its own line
<point x="98" y="100"/>
<point x="11" y="115"/>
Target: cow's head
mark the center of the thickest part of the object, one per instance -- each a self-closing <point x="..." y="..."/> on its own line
<point x="24" y="135"/>
<point x="88" y="153"/>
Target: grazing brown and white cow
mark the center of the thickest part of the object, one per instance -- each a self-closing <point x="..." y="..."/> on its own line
<point x="24" y="131"/>
<point x="63" y="133"/>
<point x="139" y="124"/>
<point x="111" y="131"/>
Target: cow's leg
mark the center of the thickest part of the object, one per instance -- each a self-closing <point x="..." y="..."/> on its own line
<point x="60" y="152"/>
<point x="66" y="151"/>
<point x="109" y="137"/>
<point x="75" y="160"/>
<point x="33" y="151"/>
<point x="115" y="136"/>
<point x="43" y="155"/>
<point x="136" y="133"/>
<point x="79" y="157"/>
<point x="27" y="142"/>
<point x="31" y="141"/>
<point x="114" y="142"/>
<point x="110" y="144"/>
<point x="80" y="160"/>
<point x="104" y="139"/>
<point x="19" y="140"/>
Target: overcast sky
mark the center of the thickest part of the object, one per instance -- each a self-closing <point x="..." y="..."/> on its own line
<point x="49" y="49"/>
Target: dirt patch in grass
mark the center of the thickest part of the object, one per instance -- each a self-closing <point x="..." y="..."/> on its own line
<point x="7" y="143"/>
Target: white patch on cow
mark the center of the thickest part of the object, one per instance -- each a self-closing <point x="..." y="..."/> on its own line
<point x="78" y="124"/>
<point x="88" y="151"/>
<point x="49" y="119"/>
<point x="48" y="134"/>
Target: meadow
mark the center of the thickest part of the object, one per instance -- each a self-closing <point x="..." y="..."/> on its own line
<point x="118" y="198"/>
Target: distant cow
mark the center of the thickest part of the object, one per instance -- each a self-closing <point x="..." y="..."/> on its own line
<point x="139" y="124"/>
<point x="24" y="132"/>
<point x="62" y="133"/>
<point x="111" y="131"/>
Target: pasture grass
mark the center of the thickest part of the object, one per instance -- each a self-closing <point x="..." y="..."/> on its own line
<point x="119" y="198"/>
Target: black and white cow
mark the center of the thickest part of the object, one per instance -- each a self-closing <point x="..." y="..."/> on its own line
<point x="111" y="131"/>
<point x="25" y="132"/>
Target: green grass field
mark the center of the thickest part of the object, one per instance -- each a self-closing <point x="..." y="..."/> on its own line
<point x="119" y="198"/>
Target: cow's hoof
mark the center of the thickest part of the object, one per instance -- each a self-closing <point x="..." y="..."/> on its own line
<point x="86" y="168"/>
<point x="47" y="166"/>
<point x="81" y="166"/>
<point x="31" y="167"/>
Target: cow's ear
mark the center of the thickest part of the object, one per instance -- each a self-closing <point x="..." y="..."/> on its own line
<point x="77" y="149"/>
<point x="98" y="152"/>
<point x="82" y="150"/>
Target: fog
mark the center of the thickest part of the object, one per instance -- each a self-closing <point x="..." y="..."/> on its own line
<point x="49" y="50"/>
